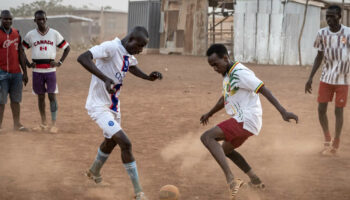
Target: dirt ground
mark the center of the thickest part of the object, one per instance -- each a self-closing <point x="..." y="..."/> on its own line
<point x="162" y="121"/>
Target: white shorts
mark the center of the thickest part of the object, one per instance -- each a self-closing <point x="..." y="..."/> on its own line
<point x="107" y="120"/>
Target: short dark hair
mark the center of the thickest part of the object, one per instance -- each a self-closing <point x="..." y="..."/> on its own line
<point x="39" y="12"/>
<point x="5" y="12"/>
<point x="335" y="7"/>
<point x="219" y="49"/>
<point x="139" y="30"/>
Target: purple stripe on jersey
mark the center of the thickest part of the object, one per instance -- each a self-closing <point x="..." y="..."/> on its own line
<point x="338" y="40"/>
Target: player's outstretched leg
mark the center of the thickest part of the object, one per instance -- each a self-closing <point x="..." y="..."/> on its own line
<point x="239" y="160"/>
<point x="210" y="140"/>
<point x="129" y="162"/>
<point x="103" y="152"/>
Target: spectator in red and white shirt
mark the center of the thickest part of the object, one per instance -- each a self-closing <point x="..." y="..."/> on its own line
<point x="11" y="77"/>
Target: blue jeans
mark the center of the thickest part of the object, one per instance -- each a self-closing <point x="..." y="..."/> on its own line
<point x="10" y="84"/>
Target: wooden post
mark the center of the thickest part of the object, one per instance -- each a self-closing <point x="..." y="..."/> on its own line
<point x="213" y="30"/>
<point x="301" y="31"/>
<point x="342" y="12"/>
<point x="232" y="43"/>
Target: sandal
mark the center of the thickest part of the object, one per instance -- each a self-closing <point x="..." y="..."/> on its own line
<point x="21" y="128"/>
<point x="234" y="187"/>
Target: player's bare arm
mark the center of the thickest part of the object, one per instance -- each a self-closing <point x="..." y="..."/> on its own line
<point x="85" y="60"/>
<point x="139" y="73"/>
<point x="317" y="64"/>
<point x="285" y="114"/>
<point x="64" y="55"/>
<point x="22" y="62"/>
<point x="218" y="106"/>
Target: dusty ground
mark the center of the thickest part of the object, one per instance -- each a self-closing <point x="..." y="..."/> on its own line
<point x="162" y="120"/>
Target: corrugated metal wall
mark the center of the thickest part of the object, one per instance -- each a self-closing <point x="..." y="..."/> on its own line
<point x="267" y="32"/>
<point x="146" y="14"/>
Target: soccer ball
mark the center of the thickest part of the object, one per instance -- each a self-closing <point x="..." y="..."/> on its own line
<point x="169" y="192"/>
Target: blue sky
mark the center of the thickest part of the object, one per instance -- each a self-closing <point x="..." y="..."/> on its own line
<point x="115" y="4"/>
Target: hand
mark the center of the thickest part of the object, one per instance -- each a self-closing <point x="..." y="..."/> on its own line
<point x="109" y="83"/>
<point x="155" y="75"/>
<point x="288" y="115"/>
<point x="308" y="87"/>
<point x="25" y="79"/>
<point x="55" y="64"/>
<point x="32" y="65"/>
<point x="205" y="119"/>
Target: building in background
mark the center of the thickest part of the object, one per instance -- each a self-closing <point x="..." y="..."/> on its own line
<point x="184" y="27"/>
<point x="76" y="30"/>
<point x="106" y="24"/>
<point x="267" y="31"/>
<point x="146" y="14"/>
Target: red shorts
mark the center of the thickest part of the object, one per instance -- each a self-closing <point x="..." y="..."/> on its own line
<point x="234" y="132"/>
<point x="326" y="92"/>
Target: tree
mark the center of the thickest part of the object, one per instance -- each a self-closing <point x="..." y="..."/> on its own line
<point x="52" y="6"/>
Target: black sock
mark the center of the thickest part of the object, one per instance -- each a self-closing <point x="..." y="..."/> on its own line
<point x="238" y="159"/>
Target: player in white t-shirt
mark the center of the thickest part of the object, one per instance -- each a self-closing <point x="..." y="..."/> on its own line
<point x="113" y="60"/>
<point x="43" y="42"/>
<point x="333" y="44"/>
<point x="241" y="101"/>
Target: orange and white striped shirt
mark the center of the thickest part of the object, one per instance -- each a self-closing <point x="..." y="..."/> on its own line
<point x="336" y="49"/>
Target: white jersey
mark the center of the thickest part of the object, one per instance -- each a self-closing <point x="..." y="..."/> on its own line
<point x="43" y="47"/>
<point x="240" y="88"/>
<point x="336" y="50"/>
<point x="112" y="60"/>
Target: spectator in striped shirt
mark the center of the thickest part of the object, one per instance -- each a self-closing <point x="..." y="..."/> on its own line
<point x="333" y="44"/>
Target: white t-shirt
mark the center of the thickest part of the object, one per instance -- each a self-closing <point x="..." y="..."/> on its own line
<point x="112" y="60"/>
<point x="44" y="48"/>
<point x="335" y="47"/>
<point x="240" y="88"/>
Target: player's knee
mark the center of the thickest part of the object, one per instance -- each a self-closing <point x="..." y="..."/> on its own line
<point x="107" y="146"/>
<point x="125" y="145"/>
<point x="338" y="111"/>
<point x="322" y="109"/>
<point x="52" y="97"/>
<point x="205" y="137"/>
<point x="41" y="97"/>
<point x="53" y="106"/>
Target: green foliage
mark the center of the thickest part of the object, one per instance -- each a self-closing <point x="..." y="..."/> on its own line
<point x="50" y="7"/>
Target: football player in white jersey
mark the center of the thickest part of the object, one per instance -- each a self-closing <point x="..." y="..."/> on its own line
<point x="43" y="42"/>
<point x="241" y="101"/>
<point x="113" y="60"/>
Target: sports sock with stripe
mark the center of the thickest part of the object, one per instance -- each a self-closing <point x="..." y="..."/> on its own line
<point x="99" y="161"/>
<point x="131" y="168"/>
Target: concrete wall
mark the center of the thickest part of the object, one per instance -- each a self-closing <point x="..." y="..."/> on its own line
<point x="267" y="32"/>
<point x="106" y="25"/>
